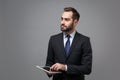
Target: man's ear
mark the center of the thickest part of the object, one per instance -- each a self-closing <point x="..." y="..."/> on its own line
<point x="75" y="21"/>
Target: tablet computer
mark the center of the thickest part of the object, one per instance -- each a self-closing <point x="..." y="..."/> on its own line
<point x="47" y="69"/>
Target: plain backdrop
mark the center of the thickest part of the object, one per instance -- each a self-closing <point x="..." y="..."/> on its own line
<point x="26" y="26"/>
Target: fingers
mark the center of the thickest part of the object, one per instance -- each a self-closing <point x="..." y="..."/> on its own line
<point x="57" y="66"/>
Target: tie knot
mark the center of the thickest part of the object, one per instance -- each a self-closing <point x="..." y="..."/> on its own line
<point x="68" y="36"/>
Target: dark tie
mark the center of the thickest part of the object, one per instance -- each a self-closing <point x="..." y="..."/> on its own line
<point x="67" y="46"/>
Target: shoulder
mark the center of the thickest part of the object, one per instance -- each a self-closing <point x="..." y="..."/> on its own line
<point x="85" y="40"/>
<point x="81" y="36"/>
<point x="56" y="36"/>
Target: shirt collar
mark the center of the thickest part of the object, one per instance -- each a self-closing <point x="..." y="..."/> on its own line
<point x="71" y="35"/>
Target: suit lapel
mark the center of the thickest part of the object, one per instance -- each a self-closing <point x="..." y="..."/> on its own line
<point x="61" y="44"/>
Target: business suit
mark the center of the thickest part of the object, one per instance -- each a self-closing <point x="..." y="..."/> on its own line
<point x="78" y="62"/>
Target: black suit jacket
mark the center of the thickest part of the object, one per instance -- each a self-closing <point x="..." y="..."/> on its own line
<point x="79" y="61"/>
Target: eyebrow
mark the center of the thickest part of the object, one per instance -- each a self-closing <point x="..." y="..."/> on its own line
<point x="65" y="18"/>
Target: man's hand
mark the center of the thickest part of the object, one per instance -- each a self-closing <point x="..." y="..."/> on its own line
<point x="58" y="66"/>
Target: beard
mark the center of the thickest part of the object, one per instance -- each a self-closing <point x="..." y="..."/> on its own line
<point x="67" y="28"/>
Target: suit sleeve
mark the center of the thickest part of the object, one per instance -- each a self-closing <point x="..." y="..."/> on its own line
<point x="50" y="54"/>
<point x="86" y="60"/>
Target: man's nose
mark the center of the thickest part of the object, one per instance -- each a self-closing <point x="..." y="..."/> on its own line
<point x="62" y="21"/>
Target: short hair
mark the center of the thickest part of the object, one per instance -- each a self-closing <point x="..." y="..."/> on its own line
<point x="76" y="15"/>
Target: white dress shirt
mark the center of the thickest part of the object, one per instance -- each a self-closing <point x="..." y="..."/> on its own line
<point x="71" y="38"/>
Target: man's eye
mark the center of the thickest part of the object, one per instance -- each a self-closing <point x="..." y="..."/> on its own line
<point x="66" y="19"/>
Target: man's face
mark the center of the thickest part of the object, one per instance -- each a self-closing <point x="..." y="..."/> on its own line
<point x="67" y="23"/>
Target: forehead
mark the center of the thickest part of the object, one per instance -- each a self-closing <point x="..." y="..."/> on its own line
<point x="67" y="14"/>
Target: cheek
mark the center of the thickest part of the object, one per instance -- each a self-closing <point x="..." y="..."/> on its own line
<point x="68" y="24"/>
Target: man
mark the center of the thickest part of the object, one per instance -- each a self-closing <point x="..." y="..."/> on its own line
<point x="76" y="61"/>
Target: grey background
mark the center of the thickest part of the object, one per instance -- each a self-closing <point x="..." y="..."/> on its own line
<point x="26" y="25"/>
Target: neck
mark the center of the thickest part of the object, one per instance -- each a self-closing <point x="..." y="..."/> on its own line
<point x="70" y="31"/>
